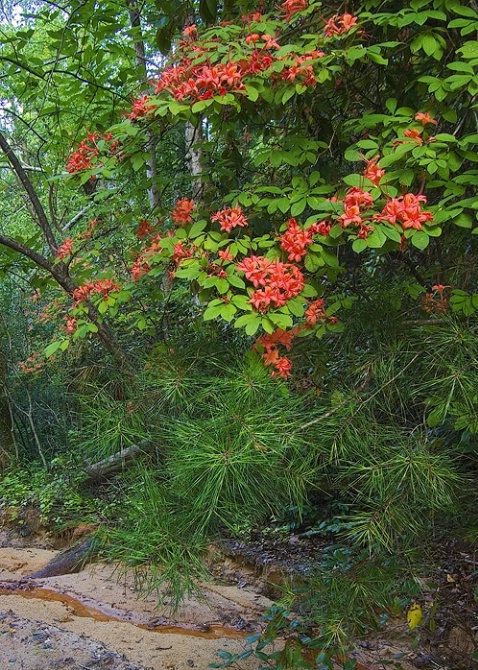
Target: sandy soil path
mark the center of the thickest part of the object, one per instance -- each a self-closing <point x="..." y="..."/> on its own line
<point x="50" y="630"/>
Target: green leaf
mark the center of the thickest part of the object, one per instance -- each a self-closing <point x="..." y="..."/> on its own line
<point x="103" y="307"/>
<point x="252" y="326"/>
<point x="236" y="281"/>
<point x="252" y="93"/>
<point x="53" y="348"/>
<point x="309" y="291"/>
<point x="429" y="44"/>
<point x="465" y="11"/>
<point x="200" y="105"/>
<point x="228" y="312"/>
<point x="330" y="258"/>
<point x="367" y="144"/>
<point x="213" y="311"/>
<point x="287" y="95"/>
<point x="283" y="321"/>
<point x="463" y="220"/>
<point x="437" y="415"/>
<point x="354" y="180"/>
<point x="376" y="239"/>
<point x="246" y="319"/>
<point x="298" y="207"/>
<point x="296" y="307"/>
<point x="359" y="245"/>
<point x="313" y="262"/>
<point x="392" y="233"/>
<point x="284" y="205"/>
<point x="420" y="239"/>
<point x="242" y="302"/>
<point x="377" y="58"/>
<point x="222" y="285"/>
<point x="391" y="105"/>
<point x="197" y="228"/>
<point x="469" y="49"/>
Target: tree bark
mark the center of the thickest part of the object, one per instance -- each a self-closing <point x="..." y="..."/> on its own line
<point x="193" y="157"/>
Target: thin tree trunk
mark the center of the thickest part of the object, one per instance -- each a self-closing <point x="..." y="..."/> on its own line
<point x="36" y="439"/>
<point x="193" y="157"/>
<point x="154" y="195"/>
<point x="8" y="442"/>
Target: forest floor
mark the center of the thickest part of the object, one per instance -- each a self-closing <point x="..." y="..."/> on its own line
<point x="93" y="619"/>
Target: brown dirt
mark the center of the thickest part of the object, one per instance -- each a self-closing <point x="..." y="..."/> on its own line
<point x="83" y="608"/>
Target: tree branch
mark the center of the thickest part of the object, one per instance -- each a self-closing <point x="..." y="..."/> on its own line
<point x="29" y="188"/>
<point x="37" y="258"/>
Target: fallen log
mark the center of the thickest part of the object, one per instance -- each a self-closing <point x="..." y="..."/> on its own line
<point x="69" y="561"/>
<point x="117" y="462"/>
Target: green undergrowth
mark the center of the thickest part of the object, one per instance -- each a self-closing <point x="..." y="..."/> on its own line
<point x="376" y="461"/>
<point x="59" y="495"/>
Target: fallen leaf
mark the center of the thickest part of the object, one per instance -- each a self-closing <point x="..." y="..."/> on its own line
<point x="414" y="615"/>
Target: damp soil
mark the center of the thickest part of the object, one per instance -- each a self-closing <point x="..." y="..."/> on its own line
<point x="93" y="619"/>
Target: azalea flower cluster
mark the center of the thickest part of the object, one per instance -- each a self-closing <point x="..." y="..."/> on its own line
<point x="70" y="325"/>
<point x="302" y="70"/>
<point x="181" y="251"/>
<point x="315" y="312"/>
<point x="140" y="268"/>
<point x="101" y="286"/>
<point x="291" y="7"/>
<point x="339" y="25"/>
<point x="271" y="354"/>
<point x="296" y="239"/>
<point x="276" y="282"/>
<point x="142" y="264"/>
<point x="144" y="261"/>
<point x="436" y="302"/>
<point x="373" y="172"/>
<point x="88" y="233"/>
<point x="144" y="229"/>
<point x="32" y="364"/>
<point x="269" y="342"/>
<point x="141" y="107"/>
<point x="406" y="211"/>
<point x="82" y="158"/>
<point x="200" y="82"/>
<point x="64" y="249"/>
<point x="192" y="81"/>
<point x="355" y="202"/>
<point x="182" y="211"/>
<point x="415" y="134"/>
<point x="229" y="218"/>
